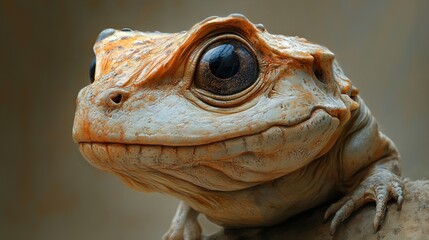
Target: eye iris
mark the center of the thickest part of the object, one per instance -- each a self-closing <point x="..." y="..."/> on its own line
<point x="223" y="61"/>
<point x="226" y="67"/>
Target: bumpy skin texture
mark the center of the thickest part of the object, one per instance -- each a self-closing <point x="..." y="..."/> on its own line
<point x="297" y="137"/>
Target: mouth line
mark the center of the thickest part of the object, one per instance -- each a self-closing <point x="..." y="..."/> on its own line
<point x="282" y="127"/>
<point x="239" y="161"/>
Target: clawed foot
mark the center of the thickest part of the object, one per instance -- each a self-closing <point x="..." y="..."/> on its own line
<point x="185" y="225"/>
<point x="380" y="187"/>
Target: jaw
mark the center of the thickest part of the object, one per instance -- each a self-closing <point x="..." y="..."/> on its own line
<point x="227" y="165"/>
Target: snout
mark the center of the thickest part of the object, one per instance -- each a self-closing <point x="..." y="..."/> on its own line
<point x="81" y="127"/>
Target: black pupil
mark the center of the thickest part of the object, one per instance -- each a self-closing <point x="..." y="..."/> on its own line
<point x="223" y="61"/>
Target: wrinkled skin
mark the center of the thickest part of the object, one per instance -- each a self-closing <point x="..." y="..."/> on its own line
<point x="297" y="137"/>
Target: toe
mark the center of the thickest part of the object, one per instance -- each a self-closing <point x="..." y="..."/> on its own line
<point x="192" y="231"/>
<point x="358" y="199"/>
<point x="397" y="191"/>
<point x="333" y="208"/>
<point x="381" y="202"/>
<point x="342" y="214"/>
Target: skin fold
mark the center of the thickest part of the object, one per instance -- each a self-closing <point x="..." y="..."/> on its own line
<point x="296" y="137"/>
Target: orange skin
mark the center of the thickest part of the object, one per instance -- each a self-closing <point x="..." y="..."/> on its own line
<point x="297" y="137"/>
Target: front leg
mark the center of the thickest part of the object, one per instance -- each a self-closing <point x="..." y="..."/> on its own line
<point x="184" y="225"/>
<point x="368" y="168"/>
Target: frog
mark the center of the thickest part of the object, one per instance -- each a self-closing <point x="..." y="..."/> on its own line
<point x="245" y="127"/>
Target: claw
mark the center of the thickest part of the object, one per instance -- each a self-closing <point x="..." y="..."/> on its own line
<point x="399" y="202"/>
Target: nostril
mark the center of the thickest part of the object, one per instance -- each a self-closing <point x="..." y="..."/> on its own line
<point x="112" y="98"/>
<point x="318" y="73"/>
<point x="322" y="67"/>
<point x="117" y="98"/>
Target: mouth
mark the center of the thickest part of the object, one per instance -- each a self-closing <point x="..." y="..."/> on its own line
<point x="228" y="165"/>
<point x="266" y="142"/>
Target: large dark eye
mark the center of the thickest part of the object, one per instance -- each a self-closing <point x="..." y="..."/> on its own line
<point x="92" y="71"/>
<point x="226" y="67"/>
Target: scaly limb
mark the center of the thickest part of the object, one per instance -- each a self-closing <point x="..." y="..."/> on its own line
<point x="184" y="225"/>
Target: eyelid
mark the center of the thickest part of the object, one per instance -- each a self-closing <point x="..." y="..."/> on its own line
<point x="226" y="36"/>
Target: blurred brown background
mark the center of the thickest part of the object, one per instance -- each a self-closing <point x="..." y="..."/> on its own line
<point x="48" y="191"/>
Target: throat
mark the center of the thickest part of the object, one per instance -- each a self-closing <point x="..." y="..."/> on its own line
<point x="271" y="202"/>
